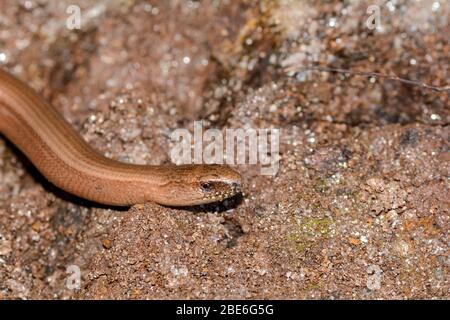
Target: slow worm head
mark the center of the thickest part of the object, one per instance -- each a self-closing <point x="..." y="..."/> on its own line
<point x="68" y="162"/>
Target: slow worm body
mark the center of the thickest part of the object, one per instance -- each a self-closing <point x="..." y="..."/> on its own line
<point x="68" y="162"/>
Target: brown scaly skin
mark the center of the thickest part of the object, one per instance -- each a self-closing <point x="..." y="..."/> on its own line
<point x="68" y="162"/>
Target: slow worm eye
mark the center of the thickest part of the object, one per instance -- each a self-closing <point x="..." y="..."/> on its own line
<point x="206" y="186"/>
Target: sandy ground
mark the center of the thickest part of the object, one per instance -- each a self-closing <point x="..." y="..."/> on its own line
<point x="359" y="208"/>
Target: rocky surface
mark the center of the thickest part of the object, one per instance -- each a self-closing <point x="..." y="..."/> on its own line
<point x="358" y="209"/>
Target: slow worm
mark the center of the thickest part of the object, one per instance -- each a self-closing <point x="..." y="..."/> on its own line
<point x="67" y="161"/>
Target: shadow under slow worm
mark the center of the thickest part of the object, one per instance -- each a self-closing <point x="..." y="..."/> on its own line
<point x="68" y="162"/>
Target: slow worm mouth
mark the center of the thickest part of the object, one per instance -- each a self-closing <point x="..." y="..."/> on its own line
<point x="234" y="188"/>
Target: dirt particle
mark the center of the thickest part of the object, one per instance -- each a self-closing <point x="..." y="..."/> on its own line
<point x="354" y="241"/>
<point x="410" y="138"/>
<point x="5" y="247"/>
<point x="106" y="243"/>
